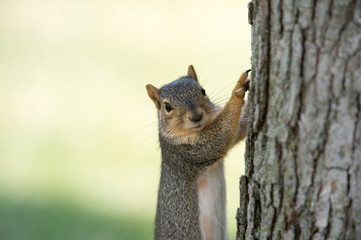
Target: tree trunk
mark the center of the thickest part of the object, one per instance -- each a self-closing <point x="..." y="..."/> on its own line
<point x="303" y="150"/>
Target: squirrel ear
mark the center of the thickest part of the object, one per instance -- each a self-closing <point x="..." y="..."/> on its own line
<point x="153" y="93"/>
<point x="192" y="73"/>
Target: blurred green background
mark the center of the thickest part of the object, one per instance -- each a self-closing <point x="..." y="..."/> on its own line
<point x="79" y="157"/>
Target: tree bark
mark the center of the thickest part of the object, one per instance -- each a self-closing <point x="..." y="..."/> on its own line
<point x="303" y="149"/>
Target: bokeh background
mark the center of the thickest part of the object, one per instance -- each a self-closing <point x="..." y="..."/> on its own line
<point x="79" y="157"/>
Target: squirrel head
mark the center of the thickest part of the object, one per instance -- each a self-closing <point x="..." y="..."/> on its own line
<point x="183" y="106"/>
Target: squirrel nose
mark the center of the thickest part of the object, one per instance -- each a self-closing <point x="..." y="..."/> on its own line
<point x="196" y="117"/>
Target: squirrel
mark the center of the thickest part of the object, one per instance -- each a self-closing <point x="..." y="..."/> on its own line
<point x="194" y="136"/>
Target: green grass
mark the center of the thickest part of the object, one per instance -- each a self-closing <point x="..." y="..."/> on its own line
<point x="31" y="220"/>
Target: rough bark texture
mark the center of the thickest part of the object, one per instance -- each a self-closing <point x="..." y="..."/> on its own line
<point x="303" y="151"/>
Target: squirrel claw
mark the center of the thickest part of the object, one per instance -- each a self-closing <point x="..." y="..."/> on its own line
<point x="242" y="79"/>
<point x="246" y="85"/>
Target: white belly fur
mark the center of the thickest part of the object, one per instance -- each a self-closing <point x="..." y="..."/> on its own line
<point x="212" y="203"/>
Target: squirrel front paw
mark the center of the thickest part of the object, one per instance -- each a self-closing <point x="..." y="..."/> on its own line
<point x="242" y="85"/>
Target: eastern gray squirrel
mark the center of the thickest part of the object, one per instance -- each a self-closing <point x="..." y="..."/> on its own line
<point x="194" y="136"/>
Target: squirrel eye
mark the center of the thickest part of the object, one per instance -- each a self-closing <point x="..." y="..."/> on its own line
<point x="167" y="107"/>
<point x="203" y="92"/>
